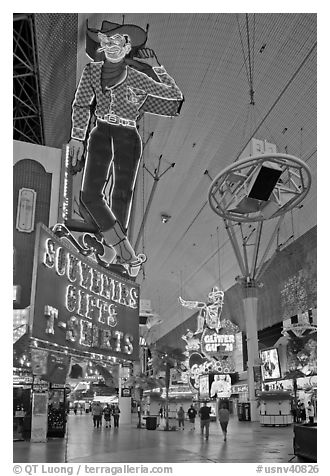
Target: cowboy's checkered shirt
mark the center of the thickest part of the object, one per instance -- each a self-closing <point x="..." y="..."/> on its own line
<point x="124" y="100"/>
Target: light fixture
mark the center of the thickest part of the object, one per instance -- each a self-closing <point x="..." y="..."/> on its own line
<point x="165" y="217"/>
<point x="259" y="187"/>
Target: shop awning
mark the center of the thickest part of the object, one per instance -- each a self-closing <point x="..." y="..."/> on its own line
<point x="21" y="340"/>
<point x="275" y="395"/>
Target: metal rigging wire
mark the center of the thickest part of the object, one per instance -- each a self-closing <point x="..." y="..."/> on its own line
<point x="251" y="61"/>
<point x="219" y="261"/>
<point x="256" y="127"/>
<point x="279" y="97"/>
<point x="242" y="45"/>
<point x="249" y="56"/>
<point x="143" y="199"/>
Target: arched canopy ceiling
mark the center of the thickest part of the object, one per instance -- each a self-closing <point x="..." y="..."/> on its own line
<point x="215" y="59"/>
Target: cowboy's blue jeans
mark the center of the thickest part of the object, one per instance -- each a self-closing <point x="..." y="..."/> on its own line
<point x="113" y="156"/>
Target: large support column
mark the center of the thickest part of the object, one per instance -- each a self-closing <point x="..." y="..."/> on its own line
<point x="250" y="304"/>
<point x="39" y="418"/>
<point x="124" y="402"/>
<point x="125" y="410"/>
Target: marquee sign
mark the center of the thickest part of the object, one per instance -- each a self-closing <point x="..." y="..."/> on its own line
<point x="79" y="305"/>
<point x="216" y="344"/>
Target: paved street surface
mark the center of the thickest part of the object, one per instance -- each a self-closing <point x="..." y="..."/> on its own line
<point x="246" y="443"/>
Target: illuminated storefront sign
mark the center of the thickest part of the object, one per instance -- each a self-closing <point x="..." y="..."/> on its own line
<point x="210" y="349"/>
<point x="199" y="365"/>
<point x="220" y="386"/>
<point x="16" y="294"/>
<point x="79" y="305"/>
<point x="216" y="344"/>
<point x="26" y="210"/>
<point x="240" y="388"/>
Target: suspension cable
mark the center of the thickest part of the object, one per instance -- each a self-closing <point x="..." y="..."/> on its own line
<point x="219" y="261"/>
<point x="251" y="66"/>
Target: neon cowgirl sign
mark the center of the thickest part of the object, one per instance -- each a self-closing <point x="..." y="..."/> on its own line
<point x="79" y="305"/>
<point x="210" y="348"/>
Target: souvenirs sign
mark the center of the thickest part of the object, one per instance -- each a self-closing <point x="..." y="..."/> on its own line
<point x="79" y="305"/>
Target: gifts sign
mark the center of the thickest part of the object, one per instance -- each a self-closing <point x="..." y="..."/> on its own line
<point x="80" y="306"/>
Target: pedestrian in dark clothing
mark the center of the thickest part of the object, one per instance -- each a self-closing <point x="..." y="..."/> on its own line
<point x="294" y="411"/>
<point x="302" y="413"/>
<point x="116" y="412"/>
<point x="192" y="415"/>
<point x="204" y="414"/>
<point x="181" y="417"/>
<point x="107" y="415"/>
<point x="223" y="416"/>
<point x="97" y="414"/>
<point x="139" y="414"/>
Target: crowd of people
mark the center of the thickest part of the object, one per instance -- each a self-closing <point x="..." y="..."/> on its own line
<point x="99" y="412"/>
<point x="302" y="413"/>
<point x="106" y="412"/>
<point x="205" y="418"/>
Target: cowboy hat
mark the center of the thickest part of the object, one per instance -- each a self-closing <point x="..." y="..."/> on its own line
<point x="137" y="35"/>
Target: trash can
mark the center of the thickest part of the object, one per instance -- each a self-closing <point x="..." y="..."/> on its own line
<point x="240" y="412"/>
<point x="151" y="423"/>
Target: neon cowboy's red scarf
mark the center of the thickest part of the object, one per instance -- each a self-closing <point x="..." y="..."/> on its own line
<point x="114" y="73"/>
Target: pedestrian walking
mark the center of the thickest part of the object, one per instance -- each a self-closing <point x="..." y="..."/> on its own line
<point x="116" y="412"/>
<point x="97" y="414"/>
<point x="180" y="415"/>
<point x="192" y="415"/>
<point x="204" y="414"/>
<point x="302" y="413"/>
<point x="310" y="413"/>
<point x="294" y="412"/>
<point x="223" y="416"/>
<point x="139" y="414"/>
<point x="107" y="415"/>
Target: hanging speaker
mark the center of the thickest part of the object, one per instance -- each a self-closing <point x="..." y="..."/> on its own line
<point x="264" y="183"/>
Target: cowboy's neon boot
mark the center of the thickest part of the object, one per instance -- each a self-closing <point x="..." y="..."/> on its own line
<point x="125" y="253"/>
<point x="116" y="239"/>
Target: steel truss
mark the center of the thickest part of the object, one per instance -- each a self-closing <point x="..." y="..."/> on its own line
<point x="28" y="123"/>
